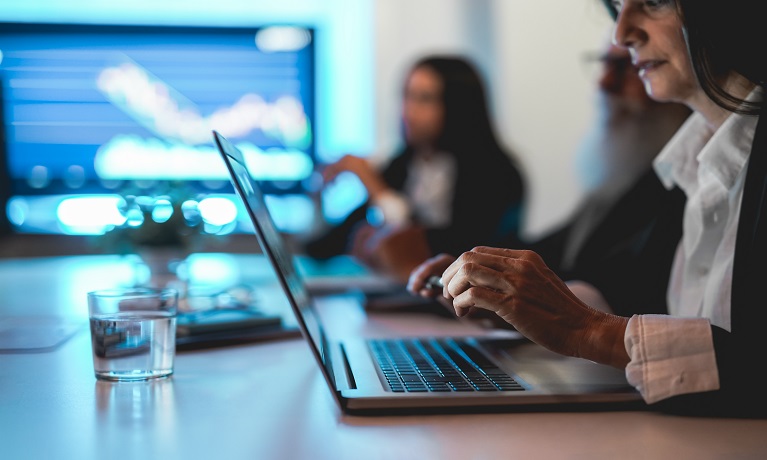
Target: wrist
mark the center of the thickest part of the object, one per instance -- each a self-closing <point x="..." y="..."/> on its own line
<point x="375" y="188"/>
<point x="394" y="208"/>
<point x="603" y="341"/>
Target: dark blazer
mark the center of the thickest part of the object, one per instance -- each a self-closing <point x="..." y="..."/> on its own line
<point x="629" y="253"/>
<point x="742" y="352"/>
<point x="487" y="206"/>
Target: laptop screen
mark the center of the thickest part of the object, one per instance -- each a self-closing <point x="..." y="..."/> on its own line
<point x="272" y="244"/>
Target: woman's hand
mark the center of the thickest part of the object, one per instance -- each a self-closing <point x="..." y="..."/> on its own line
<point x="521" y="289"/>
<point x="433" y="266"/>
<point x="360" y="167"/>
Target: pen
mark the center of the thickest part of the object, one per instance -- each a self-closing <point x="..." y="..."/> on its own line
<point x="434" y="282"/>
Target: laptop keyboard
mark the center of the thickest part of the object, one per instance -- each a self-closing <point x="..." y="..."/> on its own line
<point x="419" y="365"/>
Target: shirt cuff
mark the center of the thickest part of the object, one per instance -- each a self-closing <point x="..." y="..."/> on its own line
<point x="394" y="207"/>
<point x="670" y="356"/>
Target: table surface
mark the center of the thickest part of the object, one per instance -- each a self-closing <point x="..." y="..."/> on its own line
<point x="268" y="400"/>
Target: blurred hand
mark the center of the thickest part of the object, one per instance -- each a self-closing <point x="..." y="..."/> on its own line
<point x="361" y="244"/>
<point x="399" y="250"/>
<point x="519" y="287"/>
<point x="370" y="178"/>
<point x="433" y="266"/>
<point x="394" y="251"/>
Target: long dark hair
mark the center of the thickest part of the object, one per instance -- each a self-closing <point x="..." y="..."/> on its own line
<point x="467" y="126"/>
<point x="723" y="37"/>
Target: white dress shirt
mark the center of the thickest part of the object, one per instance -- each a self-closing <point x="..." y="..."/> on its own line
<point x="674" y="354"/>
<point x="427" y="195"/>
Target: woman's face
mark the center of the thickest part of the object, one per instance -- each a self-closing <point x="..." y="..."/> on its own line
<point x="422" y="108"/>
<point x="652" y="31"/>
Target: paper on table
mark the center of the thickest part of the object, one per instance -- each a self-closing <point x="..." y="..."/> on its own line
<point x="36" y="334"/>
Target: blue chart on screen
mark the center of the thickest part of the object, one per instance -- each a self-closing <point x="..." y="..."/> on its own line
<point x="94" y="112"/>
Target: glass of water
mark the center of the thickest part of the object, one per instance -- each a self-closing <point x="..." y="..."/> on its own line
<point x="133" y="332"/>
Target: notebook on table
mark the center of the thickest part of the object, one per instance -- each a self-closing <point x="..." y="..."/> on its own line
<point x="215" y="316"/>
<point x="427" y="374"/>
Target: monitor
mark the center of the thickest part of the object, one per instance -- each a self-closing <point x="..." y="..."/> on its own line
<point x="99" y="120"/>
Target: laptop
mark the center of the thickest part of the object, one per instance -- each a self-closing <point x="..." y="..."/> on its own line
<point x="427" y="374"/>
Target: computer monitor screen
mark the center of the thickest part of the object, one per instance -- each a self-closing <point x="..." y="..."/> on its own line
<point x="95" y="114"/>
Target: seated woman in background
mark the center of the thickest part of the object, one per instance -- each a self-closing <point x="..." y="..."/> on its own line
<point x="450" y="186"/>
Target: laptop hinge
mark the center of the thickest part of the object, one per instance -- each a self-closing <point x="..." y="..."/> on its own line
<point x="349" y="376"/>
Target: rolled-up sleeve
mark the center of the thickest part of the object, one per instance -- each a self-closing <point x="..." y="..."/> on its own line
<point x="670" y="356"/>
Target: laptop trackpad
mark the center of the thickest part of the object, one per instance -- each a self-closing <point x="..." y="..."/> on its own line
<point x="551" y="371"/>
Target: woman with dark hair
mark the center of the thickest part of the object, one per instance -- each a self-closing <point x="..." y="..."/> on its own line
<point x="703" y="356"/>
<point x="452" y="179"/>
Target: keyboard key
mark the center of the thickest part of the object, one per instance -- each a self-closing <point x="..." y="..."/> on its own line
<point x="441" y="387"/>
<point x="445" y="365"/>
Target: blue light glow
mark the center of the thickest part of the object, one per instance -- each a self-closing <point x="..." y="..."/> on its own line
<point x="291" y="213"/>
<point x="89" y="215"/>
<point x="275" y="39"/>
<point x="17" y="210"/>
<point x="212" y="269"/>
<point x="75" y="176"/>
<point x="134" y="217"/>
<point x="342" y="196"/>
<point x="132" y="157"/>
<point x="38" y="177"/>
<point x="191" y="211"/>
<point x="162" y="210"/>
<point x="218" y="211"/>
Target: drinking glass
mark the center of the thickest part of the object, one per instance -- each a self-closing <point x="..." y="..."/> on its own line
<point x="133" y="332"/>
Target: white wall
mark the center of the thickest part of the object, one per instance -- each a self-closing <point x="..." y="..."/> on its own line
<point x="547" y="98"/>
<point x="531" y="54"/>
